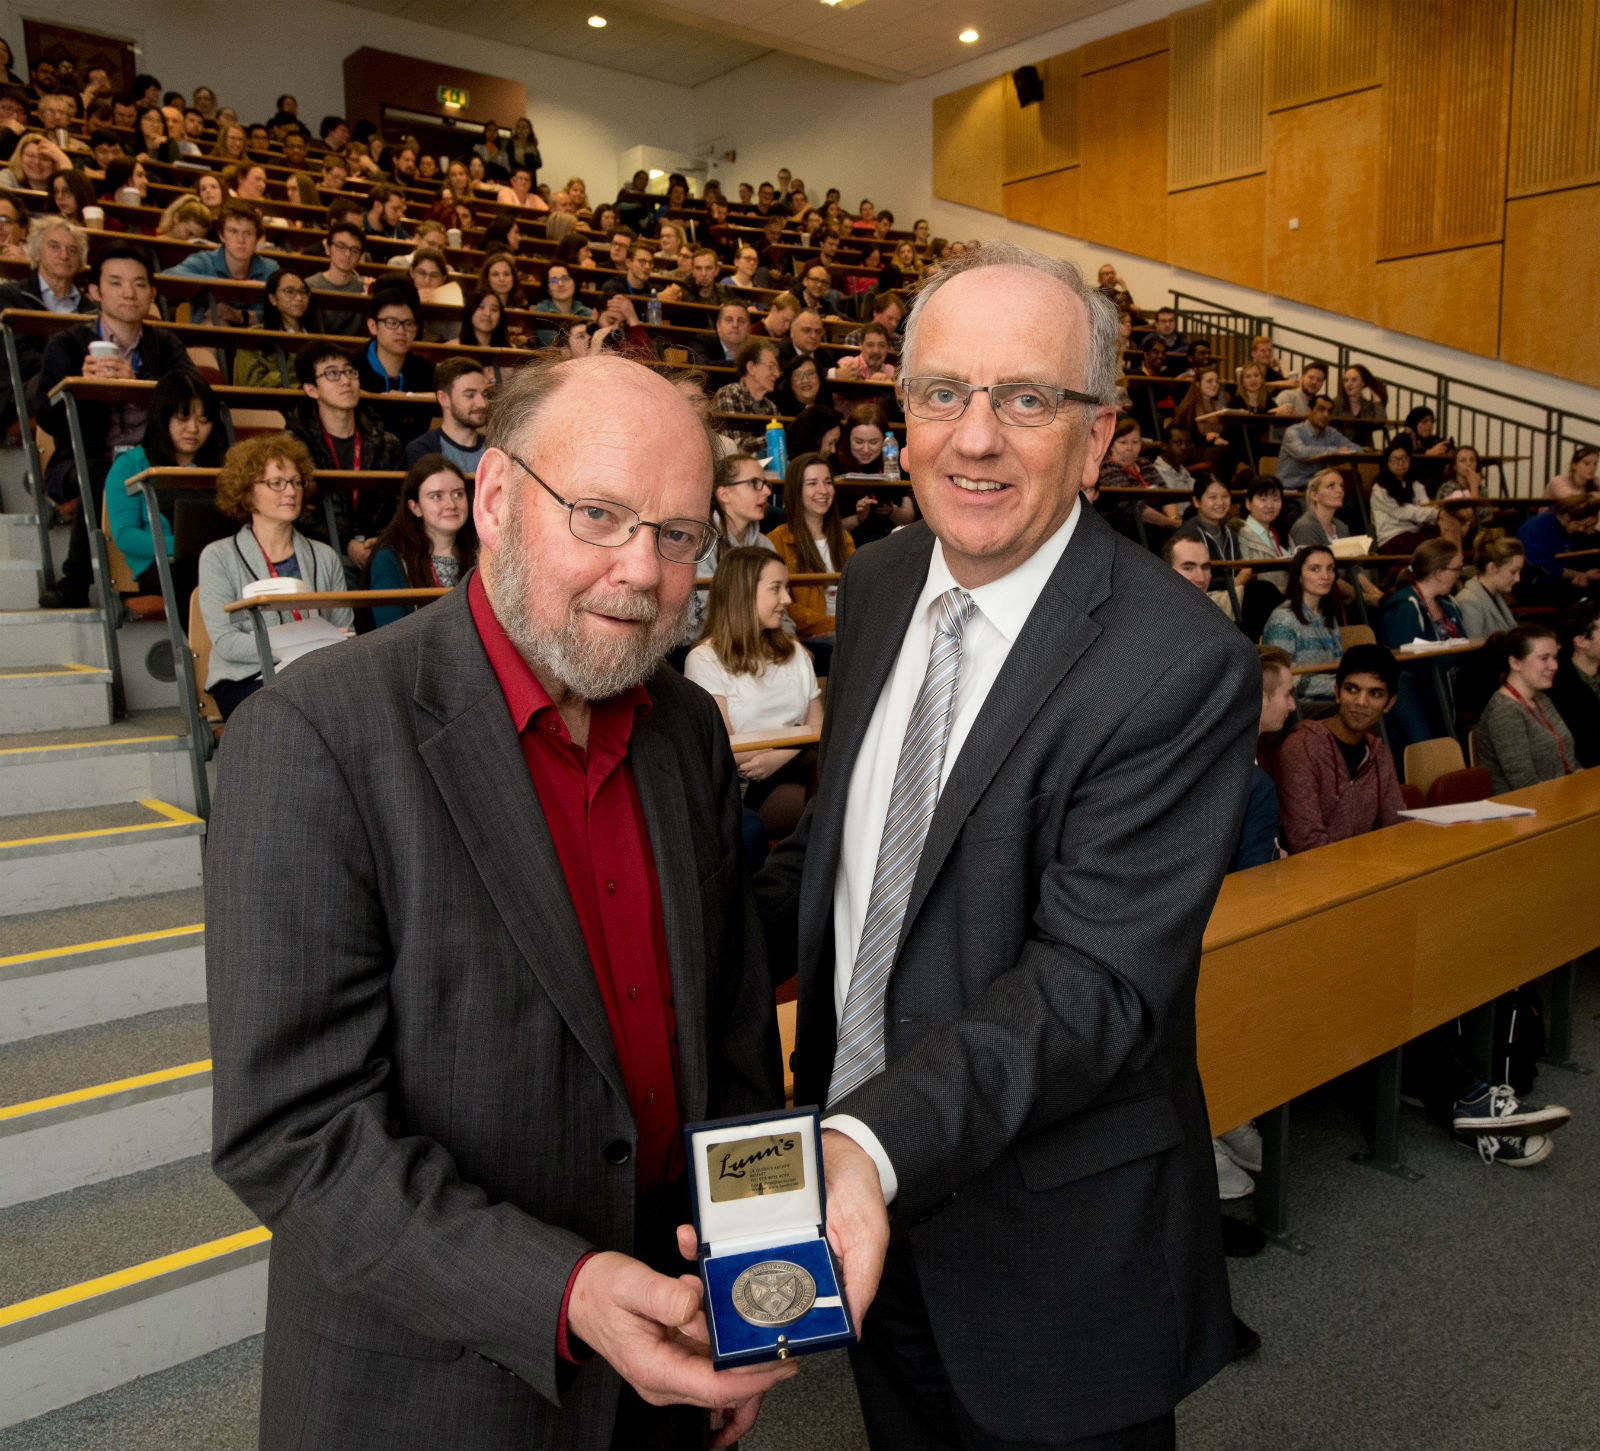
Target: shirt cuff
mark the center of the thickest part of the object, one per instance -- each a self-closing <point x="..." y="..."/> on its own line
<point x="571" y="1349"/>
<point x="853" y="1128"/>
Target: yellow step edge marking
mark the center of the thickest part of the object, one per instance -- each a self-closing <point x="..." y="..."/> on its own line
<point x="67" y="667"/>
<point x="173" y="817"/>
<point x="185" y="931"/>
<point x="149" y="1270"/>
<point x="79" y="745"/>
<point x="103" y="1090"/>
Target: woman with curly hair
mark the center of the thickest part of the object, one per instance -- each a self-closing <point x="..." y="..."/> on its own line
<point x="265" y="482"/>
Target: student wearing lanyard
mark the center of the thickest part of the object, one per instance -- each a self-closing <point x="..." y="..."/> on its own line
<point x="388" y="365"/>
<point x="1522" y="739"/>
<point x="430" y="543"/>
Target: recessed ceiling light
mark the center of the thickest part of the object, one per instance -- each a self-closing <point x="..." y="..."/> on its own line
<point x="598" y="21"/>
<point x="830" y="2"/>
<point x="967" y="36"/>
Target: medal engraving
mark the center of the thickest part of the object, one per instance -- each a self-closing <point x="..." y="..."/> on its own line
<point x="774" y="1292"/>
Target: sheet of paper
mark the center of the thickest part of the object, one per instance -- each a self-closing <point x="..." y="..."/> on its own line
<point x="300" y="637"/>
<point x="1467" y="811"/>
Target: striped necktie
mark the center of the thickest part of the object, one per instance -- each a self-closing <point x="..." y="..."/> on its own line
<point x="860" y="1052"/>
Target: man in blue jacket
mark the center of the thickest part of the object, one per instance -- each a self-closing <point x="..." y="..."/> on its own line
<point x="239" y="225"/>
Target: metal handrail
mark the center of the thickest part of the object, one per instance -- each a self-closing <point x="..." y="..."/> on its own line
<point x="1536" y="438"/>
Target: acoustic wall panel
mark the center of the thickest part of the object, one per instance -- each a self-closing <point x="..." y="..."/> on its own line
<point x="1126" y="45"/>
<point x="1220" y="231"/>
<point x="1321" y="48"/>
<point x="967" y="142"/>
<point x="1217" y="88"/>
<point x="1447" y="297"/>
<point x="1043" y="137"/>
<point x="1123" y="113"/>
<point x="1050" y="201"/>
<point x="1552" y="287"/>
<point x="1555" y="117"/>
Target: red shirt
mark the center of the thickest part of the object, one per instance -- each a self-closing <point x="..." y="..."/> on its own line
<point x="591" y="805"/>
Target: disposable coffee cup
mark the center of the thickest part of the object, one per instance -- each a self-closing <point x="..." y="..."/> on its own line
<point x="129" y="196"/>
<point x="102" y="349"/>
<point x="94" y="218"/>
<point x="453" y="237"/>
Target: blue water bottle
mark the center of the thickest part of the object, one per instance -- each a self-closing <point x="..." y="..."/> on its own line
<point x="777" y="449"/>
<point x="891" y="457"/>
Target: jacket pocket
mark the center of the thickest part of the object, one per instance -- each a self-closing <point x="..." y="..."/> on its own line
<point x="996" y="823"/>
<point x="1098" y="1139"/>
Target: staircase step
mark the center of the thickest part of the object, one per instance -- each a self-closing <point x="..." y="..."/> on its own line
<point x="122" y="1279"/>
<point x="19" y="584"/>
<point x="19" y="538"/>
<point x="95" y="854"/>
<point x="56" y="1063"/>
<point x="36" y="637"/>
<point x="52" y="696"/>
<point x="140" y="756"/>
<point x="75" y="967"/>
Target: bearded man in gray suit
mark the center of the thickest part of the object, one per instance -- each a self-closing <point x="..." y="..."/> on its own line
<point x="479" y="941"/>
<point x="1033" y="767"/>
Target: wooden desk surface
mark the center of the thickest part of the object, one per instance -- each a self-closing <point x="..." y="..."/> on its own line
<point x="117" y="390"/>
<point x="203" y="481"/>
<point x="336" y="599"/>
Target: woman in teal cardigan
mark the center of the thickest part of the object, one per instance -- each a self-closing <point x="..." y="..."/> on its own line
<point x="1422" y="609"/>
<point x="183" y="428"/>
<point x="430" y="543"/>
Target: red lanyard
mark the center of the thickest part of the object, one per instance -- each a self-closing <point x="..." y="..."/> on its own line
<point x="272" y="569"/>
<point x="1537" y="711"/>
<point x="355" y="459"/>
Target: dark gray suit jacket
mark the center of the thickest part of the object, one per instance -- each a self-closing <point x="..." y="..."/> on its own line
<point x="1041" y="1105"/>
<point x="415" y="1084"/>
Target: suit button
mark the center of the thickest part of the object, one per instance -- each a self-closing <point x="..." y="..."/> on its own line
<point x="618" y="1152"/>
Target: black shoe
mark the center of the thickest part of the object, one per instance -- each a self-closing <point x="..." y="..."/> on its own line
<point x="1246" y="1341"/>
<point x="1240" y="1240"/>
<point x="63" y="599"/>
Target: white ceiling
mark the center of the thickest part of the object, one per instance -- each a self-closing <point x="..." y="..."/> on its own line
<point x="690" y="42"/>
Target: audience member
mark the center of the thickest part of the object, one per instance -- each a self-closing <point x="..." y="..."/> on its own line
<point x="343" y="246"/>
<point x="1464" y="473"/>
<point x="1549" y="579"/>
<point x="430" y="543"/>
<point x="1259" y="831"/>
<point x="757" y="368"/>
<point x="1120" y="469"/>
<point x="1213" y="503"/>
<point x="812" y="539"/>
<point x="562" y="297"/>
<point x="1363" y="404"/>
<point x="1401" y="515"/>
<point x="389" y="365"/>
<point x="732" y="332"/>
<point x="1576" y="689"/>
<point x="1306" y="625"/>
<point x="57" y="252"/>
<point x="1420" y="434"/>
<point x="1578" y="479"/>
<point x="802" y="385"/>
<point x="1422" y="608"/>
<point x="1306" y="444"/>
<point x="1522" y="738"/>
<point x="872" y="363"/>
<point x="183" y="429"/>
<point x="805" y="336"/>
<point x="287" y="309"/>
<point x="1192" y="559"/>
<point x="236" y="260"/>
<point x="265" y="482"/>
<point x="1484" y="601"/>
<point x="462" y="390"/>
<point x="1297" y="402"/>
<point x="815" y="429"/>
<point x="385" y="213"/>
<point x="484" y="323"/>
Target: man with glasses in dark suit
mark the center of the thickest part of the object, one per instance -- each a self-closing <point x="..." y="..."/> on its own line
<point x="1035" y="757"/>
<point x="479" y="943"/>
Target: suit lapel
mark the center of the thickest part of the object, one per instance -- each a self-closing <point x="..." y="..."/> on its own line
<point x="477" y="765"/>
<point x="657" y="775"/>
<point x="1058" y="630"/>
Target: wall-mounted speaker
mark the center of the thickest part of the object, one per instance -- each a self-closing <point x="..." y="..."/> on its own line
<point x="1030" y="88"/>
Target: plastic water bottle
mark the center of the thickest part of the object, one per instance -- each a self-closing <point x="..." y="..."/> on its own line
<point x="891" y="457"/>
<point x="652" y="310"/>
<point x="777" y="449"/>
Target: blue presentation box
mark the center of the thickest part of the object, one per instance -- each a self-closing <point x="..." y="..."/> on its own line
<point x="772" y="1287"/>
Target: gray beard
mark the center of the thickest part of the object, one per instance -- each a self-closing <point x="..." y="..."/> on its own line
<point x="591" y="672"/>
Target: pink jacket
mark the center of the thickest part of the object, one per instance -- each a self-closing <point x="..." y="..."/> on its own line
<point x="1318" y="802"/>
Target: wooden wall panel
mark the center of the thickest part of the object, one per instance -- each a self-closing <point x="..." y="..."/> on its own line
<point x="1322" y="167"/>
<point x="1321" y="48"/>
<point x="967" y="144"/>
<point x="1552" y="287"/>
<point x="1042" y="137"/>
<point x="1126" y="45"/>
<point x="1555" y="115"/>
<point x="1216" y="101"/>
<point x="1447" y="297"/>
<point x="1123" y="115"/>
<point x="1444" y="125"/>
<point x="1220" y="230"/>
<point x="1050" y="201"/>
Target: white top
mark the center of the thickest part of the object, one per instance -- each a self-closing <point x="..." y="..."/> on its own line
<point x="777" y="699"/>
<point x="1003" y="607"/>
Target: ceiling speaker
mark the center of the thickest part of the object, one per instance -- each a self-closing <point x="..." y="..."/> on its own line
<point x="1030" y="89"/>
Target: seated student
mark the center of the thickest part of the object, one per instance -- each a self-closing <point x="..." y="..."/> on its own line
<point x="389" y="365"/>
<point x="1336" y="778"/>
<point x="462" y="389"/>
<point x="761" y="680"/>
<point x="1578" y="477"/>
<point x="1306" y="625"/>
<point x="812" y="540"/>
<point x="1522" y="738"/>
<point x="860" y="451"/>
<point x="1259" y="536"/>
<point x="341" y="433"/>
<point x="1213" y="503"/>
<point x="121" y="285"/>
<point x="562" y="297"/>
<point x="57" y="252"/>
<point x="801" y="386"/>
<point x="1259" y="831"/>
<point x="1192" y="559"/>
<point x="1485" y="600"/>
<point x="265" y="482"/>
<point x="1421" y="608"/>
<point x="288" y="309"/>
<point x="343" y="246"/>
<point x="1401" y="515"/>
<point x="1305" y="442"/>
<point x="183" y="428"/>
<point x="1548" y="579"/>
<point x="1120" y="468"/>
<point x="1576" y="689"/>
<point x="757" y="367"/>
<point x="815" y="430"/>
<point x="431" y="542"/>
<point x="872" y="363"/>
<point x="236" y="260"/>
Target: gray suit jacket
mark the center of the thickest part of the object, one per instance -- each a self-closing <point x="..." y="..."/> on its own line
<point x="415" y="1084"/>
<point x="1041" y="1104"/>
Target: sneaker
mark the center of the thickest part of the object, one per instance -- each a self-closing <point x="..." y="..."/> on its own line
<point x="1243" y="1146"/>
<point x="1513" y="1153"/>
<point x="1498" y="1111"/>
<point x="1232" y="1181"/>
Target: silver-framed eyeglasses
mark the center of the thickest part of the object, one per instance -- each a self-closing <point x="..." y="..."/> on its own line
<point x="611" y="525"/>
<point x="1022" y="405"/>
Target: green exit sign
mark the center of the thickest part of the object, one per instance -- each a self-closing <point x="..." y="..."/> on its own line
<point x="453" y="96"/>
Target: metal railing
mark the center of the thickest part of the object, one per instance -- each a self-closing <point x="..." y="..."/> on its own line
<point x="1534" y="439"/>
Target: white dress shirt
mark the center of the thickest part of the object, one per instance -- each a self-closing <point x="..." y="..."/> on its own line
<point x="1003" y="607"/>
